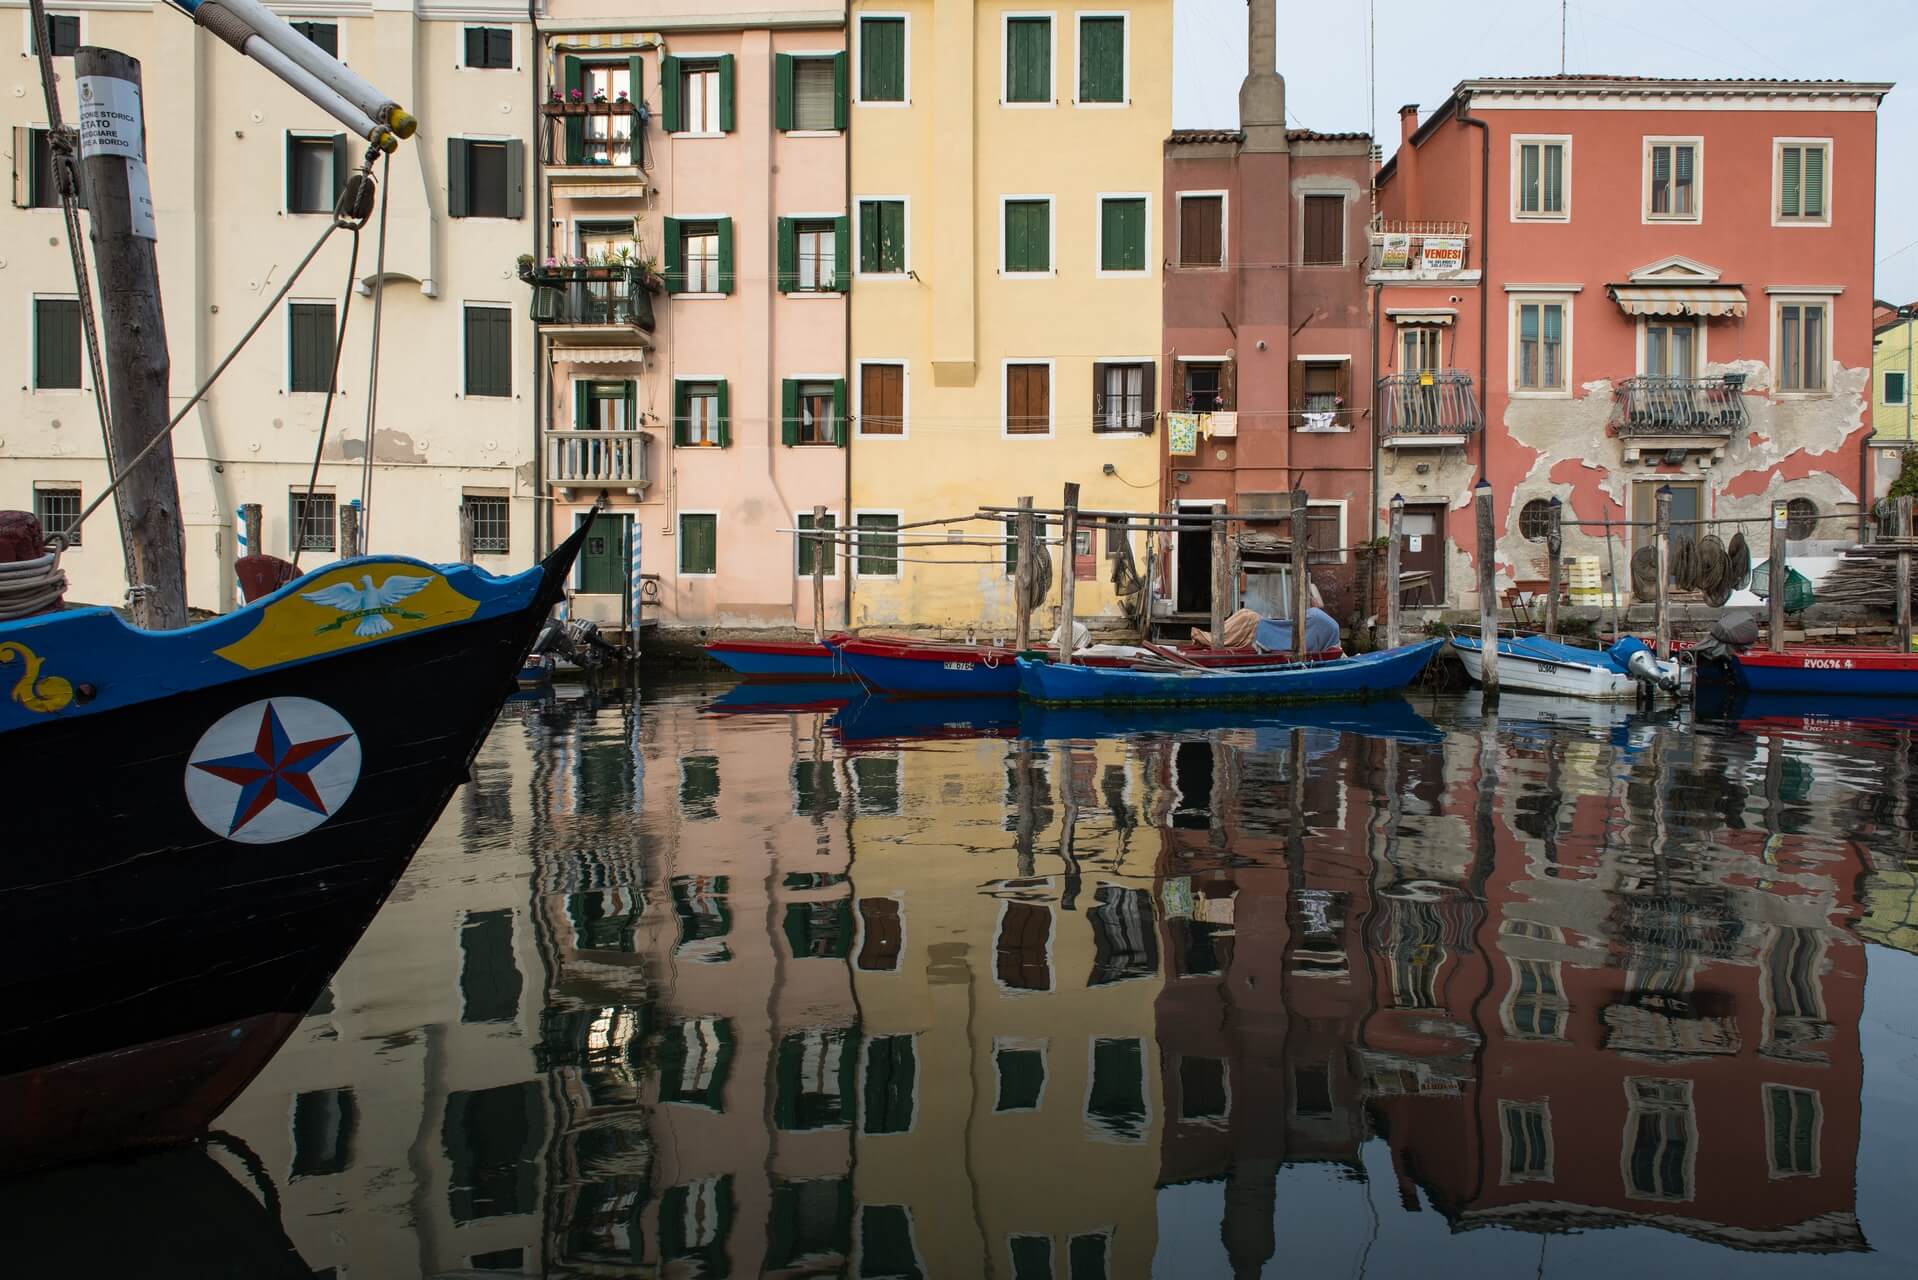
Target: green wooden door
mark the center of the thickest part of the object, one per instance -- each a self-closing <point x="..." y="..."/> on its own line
<point x="604" y="561"/>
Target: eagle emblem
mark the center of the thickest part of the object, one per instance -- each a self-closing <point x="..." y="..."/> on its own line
<point x="366" y="606"/>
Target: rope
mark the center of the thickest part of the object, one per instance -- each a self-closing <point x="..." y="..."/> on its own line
<point x="373" y="363"/>
<point x="32" y="586"/>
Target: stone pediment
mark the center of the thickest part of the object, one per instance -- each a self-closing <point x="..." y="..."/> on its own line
<point x="1677" y="269"/>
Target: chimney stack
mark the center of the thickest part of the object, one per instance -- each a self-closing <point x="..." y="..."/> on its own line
<point x="1408" y="121"/>
<point x="1262" y="95"/>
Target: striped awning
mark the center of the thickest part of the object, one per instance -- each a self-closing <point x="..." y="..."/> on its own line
<point x="602" y="355"/>
<point x="1679" y="299"/>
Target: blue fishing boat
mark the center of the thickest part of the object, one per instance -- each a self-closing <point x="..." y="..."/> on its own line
<point x="1371" y="675"/>
<point x="934" y="670"/>
<point x="781" y="659"/>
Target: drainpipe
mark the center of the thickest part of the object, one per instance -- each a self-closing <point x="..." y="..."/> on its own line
<point x="1463" y="114"/>
<point x="1377" y="452"/>
<point x="852" y="370"/>
<point x="542" y="510"/>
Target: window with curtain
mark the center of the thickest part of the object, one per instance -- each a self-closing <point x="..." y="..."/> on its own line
<point x="882" y="59"/>
<point x="1541" y="179"/>
<point x="700" y="244"/>
<point x="1028" y="59"/>
<point x="816" y="420"/>
<point x="816" y="252"/>
<point x="1802" y="354"/>
<point x="1541" y="347"/>
<point x="1802" y="181"/>
<point x="699" y="97"/>
<point x="1121" y="398"/>
<point x="1674" y="180"/>
<point x="699" y="413"/>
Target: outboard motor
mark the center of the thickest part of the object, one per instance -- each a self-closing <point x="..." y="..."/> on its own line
<point x="1643" y="667"/>
<point x="1734" y="633"/>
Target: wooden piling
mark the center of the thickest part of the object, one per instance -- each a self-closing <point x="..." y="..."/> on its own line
<point x="1904" y="578"/>
<point x="1487" y="553"/>
<point x="1775" y="602"/>
<point x="469" y="535"/>
<point x="1070" y="522"/>
<point x="350" y="531"/>
<point x="1392" y="590"/>
<point x="1301" y="571"/>
<point x="139" y="382"/>
<point x="821" y="548"/>
<point x="1024" y="566"/>
<point x="1221" y="572"/>
<point x="1661" y="599"/>
<point x="1554" y="564"/>
<point x="253" y="528"/>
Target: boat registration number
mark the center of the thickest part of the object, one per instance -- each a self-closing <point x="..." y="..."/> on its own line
<point x="1545" y="668"/>
<point x="958" y="666"/>
<point x="1828" y="664"/>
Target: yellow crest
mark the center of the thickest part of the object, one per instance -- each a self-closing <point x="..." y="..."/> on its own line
<point x="34" y="691"/>
<point x="352" y="605"/>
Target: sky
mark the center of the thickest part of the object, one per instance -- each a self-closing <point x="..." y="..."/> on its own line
<point x="1424" y="49"/>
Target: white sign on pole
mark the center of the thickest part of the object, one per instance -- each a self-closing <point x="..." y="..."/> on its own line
<point x="111" y="125"/>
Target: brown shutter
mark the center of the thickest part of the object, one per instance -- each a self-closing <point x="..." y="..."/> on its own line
<point x="1175" y="393"/>
<point x="1342" y="387"/>
<point x="1098" y="396"/>
<point x="1041" y="396"/>
<point x="1229" y="385"/>
<point x="1200" y="233"/>
<point x="882" y="399"/>
<point x="1295" y="387"/>
<point x="1324" y="231"/>
<point x="1148" y="396"/>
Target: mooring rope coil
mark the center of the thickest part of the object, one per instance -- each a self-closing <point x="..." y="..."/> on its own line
<point x="31" y="586"/>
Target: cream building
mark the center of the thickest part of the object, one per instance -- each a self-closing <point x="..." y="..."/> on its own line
<point x="243" y="173"/>
<point x="1006" y="292"/>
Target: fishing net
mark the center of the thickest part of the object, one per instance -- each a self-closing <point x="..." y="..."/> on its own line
<point x="1645" y="572"/>
<point x="1041" y="568"/>
<point x="1711" y="564"/>
<point x="1685" y="564"/>
<point x="1738" y="562"/>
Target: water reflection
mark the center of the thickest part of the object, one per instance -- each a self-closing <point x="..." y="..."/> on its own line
<point x="782" y="983"/>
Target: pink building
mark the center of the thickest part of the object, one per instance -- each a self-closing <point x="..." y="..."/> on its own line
<point x="1265" y="322"/>
<point x="1645" y="283"/>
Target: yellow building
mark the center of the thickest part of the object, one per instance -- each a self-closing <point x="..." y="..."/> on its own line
<point x="1893" y="336"/>
<point x="1005" y="308"/>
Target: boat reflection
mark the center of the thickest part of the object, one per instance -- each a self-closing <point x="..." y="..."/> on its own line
<point x="831" y="989"/>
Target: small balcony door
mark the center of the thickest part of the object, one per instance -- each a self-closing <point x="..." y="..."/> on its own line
<point x="609" y="137"/>
<point x="1419" y="348"/>
<point x="1671" y="348"/>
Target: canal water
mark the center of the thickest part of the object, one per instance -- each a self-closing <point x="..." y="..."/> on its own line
<point x="713" y="981"/>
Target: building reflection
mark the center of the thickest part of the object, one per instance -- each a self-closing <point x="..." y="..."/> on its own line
<point x="686" y="990"/>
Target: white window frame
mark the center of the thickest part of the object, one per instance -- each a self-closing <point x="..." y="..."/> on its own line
<point x="1506" y="1107"/>
<point x="1021" y="1044"/>
<point x="1052" y="398"/>
<point x="679" y="541"/>
<point x="1778" y="146"/>
<point x="1151" y="411"/>
<point x="1345" y="227"/>
<point x="286" y="155"/>
<point x="1632" y="1113"/>
<point x="1052" y="237"/>
<point x="26" y="30"/>
<point x="865" y="1049"/>
<point x="1512" y="303"/>
<point x="1125" y="58"/>
<point x="712" y="378"/>
<point x="813" y="55"/>
<point x="1225" y="229"/>
<point x="1099" y="234"/>
<point x="1884" y="394"/>
<point x="832" y="549"/>
<point x="1806" y="299"/>
<point x="573" y="381"/>
<point x="905" y="271"/>
<point x="1699" y="328"/>
<point x="459" y="370"/>
<point x="1522" y="140"/>
<point x="859" y="399"/>
<point x="286" y="341"/>
<point x="1005" y="59"/>
<point x="815" y="379"/>
<point x="858" y="53"/>
<point x="33" y="348"/>
<point x="1341" y="504"/>
<point x="1697" y="144"/>
<point x="515" y="35"/>
<point x="699" y="295"/>
<point x="1817" y="1130"/>
<point x="817" y="291"/>
<point x="899" y="563"/>
<point x="712" y="57"/>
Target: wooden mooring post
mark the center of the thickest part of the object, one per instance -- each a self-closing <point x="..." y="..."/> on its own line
<point x="1661" y="599"/>
<point x="1067" y="558"/>
<point x="1487" y="552"/>
<point x="1554" y="563"/>
<point x="821" y="548"/>
<point x="1301" y="571"/>
<point x="350" y="531"/>
<point x="1221" y="573"/>
<point x="469" y="534"/>
<point x="1904" y="577"/>
<point x="1024" y="567"/>
<point x="119" y="200"/>
<point x="1775" y="602"/>
<point x="1393" y="593"/>
<point x="252" y="528"/>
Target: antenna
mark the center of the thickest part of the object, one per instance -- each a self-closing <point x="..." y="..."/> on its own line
<point x="1562" y="4"/>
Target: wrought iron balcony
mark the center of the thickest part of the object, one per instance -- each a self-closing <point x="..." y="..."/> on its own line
<point x="611" y="296"/>
<point x="1423" y="407"/>
<point x="592" y="460"/>
<point x="1648" y="406"/>
<point x="1420" y="250"/>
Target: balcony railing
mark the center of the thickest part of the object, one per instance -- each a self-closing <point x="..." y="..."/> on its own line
<point x="1679" y="406"/>
<point x="590" y="295"/>
<point x="1433" y="402"/>
<point x="588" y="134"/>
<point x="598" y="460"/>
<point x="1425" y="250"/>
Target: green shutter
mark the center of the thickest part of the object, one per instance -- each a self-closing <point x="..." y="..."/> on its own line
<point x="289" y="164"/>
<point x="342" y="165"/>
<point x="583" y="405"/>
<point x="782" y="91"/>
<point x="1814" y="182"/>
<point x="672" y="114"/>
<point x="681" y="433"/>
<point x="788" y="410"/>
<point x="699" y="553"/>
<point x="788" y="249"/>
<point x="725" y="406"/>
<point x="630" y="395"/>
<point x="515" y="178"/>
<point x="1028" y="235"/>
<point x="1102" y="59"/>
<point x="726" y="61"/>
<point x="488" y="352"/>
<point x="574" y="77"/>
<point x="675" y="269"/>
<point x="841" y="254"/>
<point x="892" y="231"/>
<point x="1788" y="182"/>
<point x="456" y="183"/>
<point x="1029" y="60"/>
<point x="1122" y="235"/>
<point x="56" y="342"/>
<point x="725" y="238"/>
<point x="869" y="235"/>
<point x="840" y="104"/>
<point x="636" y="81"/>
<point x="882" y="60"/>
<point x="841" y="429"/>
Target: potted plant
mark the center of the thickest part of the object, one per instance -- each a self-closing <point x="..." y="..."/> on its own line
<point x="646" y="272"/>
<point x="526" y="266"/>
<point x="553" y="96"/>
<point x="577" y="95"/>
<point x="599" y="95"/>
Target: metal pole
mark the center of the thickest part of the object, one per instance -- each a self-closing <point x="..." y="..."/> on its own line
<point x="1067" y="566"/>
<point x="1554" y="564"/>
<point x="1392" y="592"/>
<point x="1775" y="605"/>
<point x="1487" y="551"/>
<point x="1025" y="546"/>
<point x="349" y="530"/>
<point x="1661" y="601"/>
<point x="1904" y="579"/>
<point x="1221" y="574"/>
<point x="820" y="550"/>
<point x="1301" y="571"/>
<point x="120" y="199"/>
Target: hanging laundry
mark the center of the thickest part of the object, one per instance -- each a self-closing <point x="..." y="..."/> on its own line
<point x="1182" y="434"/>
<point x="1327" y="421"/>
<point x="1225" y="425"/>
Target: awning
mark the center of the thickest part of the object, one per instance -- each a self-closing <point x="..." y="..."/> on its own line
<point x="1679" y="300"/>
<point x="1421" y="315"/>
<point x="601" y="355"/>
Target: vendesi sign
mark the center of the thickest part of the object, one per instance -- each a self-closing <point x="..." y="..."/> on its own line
<point x="112" y="123"/>
<point x="1442" y="253"/>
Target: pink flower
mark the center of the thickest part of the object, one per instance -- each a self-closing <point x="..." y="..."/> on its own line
<point x="579" y="95"/>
